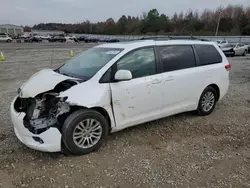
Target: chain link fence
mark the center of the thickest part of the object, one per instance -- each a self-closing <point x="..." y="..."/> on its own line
<point x="231" y="39"/>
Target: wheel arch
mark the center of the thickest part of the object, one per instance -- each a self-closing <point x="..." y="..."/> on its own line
<point x="99" y="109"/>
<point x="217" y="89"/>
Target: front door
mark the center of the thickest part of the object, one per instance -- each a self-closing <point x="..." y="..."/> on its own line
<point x="238" y="50"/>
<point x="242" y="49"/>
<point x="139" y="99"/>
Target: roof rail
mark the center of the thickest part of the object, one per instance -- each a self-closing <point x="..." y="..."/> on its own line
<point x="155" y="38"/>
<point x="173" y="38"/>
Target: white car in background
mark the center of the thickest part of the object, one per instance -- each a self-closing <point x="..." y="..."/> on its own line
<point x="233" y="49"/>
<point x="47" y="37"/>
<point x="70" y="39"/>
<point x="221" y="42"/>
<point x="113" y="86"/>
<point x="5" y="38"/>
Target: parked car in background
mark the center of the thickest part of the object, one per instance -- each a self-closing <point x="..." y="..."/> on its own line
<point x="111" y="87"/>
<point x="70" y="39"/>
<point x="109" y="40"/>
<point x="33" y="39"/>
<point x="47" y="37"/>
<point x="38" y="36"/>
<point x="103" y="40"/>
<point x="234" y="49"/>
<point x="81" y="38"/>
<point x="113" y="40"/>
<point x="42" y="37"/>
<point x="5" y="38"/>
<point x="57" y="38"/>
<point x="221" y="42"/>
<point x="91" y="39"/>
<point x="25" y="36"/>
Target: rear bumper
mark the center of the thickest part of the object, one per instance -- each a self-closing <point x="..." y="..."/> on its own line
<point x="51" y="139"/>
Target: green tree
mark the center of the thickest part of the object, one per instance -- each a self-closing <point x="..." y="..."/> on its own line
<point x="226" y="24"/>
<point x="164" y="23"/>
<point x="243" y="21"/>
<point x="150" y="22"/>
<point x="246" y="30"/>
<point x="122" y="25"/>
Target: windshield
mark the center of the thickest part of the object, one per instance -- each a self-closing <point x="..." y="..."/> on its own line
<point x="229" y="46"/>
<point x="86" y="65"/>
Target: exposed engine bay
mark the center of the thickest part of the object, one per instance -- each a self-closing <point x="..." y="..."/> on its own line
<point x="43" y="111"/>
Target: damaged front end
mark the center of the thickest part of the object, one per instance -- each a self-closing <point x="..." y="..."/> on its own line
<point x="44" y="110"/>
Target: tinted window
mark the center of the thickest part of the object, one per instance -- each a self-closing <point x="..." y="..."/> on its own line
<point x="140" y="62"/>
<point x="208" y="54"/>
<point x="177" y="57"/>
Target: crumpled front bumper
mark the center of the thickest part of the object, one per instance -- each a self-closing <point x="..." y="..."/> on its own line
<point x="51" y="139"/>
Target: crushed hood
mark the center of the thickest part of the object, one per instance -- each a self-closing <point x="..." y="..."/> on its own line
<point x="40" y="82"/>
<point x="226" y="49"/>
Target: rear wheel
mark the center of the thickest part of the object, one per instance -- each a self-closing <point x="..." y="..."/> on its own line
<point x="8" y="41"/>
<point x="207" y="101"/>
<point x="84" y="131"/>
<point x="245" y="53"/>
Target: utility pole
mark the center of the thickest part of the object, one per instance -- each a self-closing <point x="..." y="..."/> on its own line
<point x="218" y="24"/>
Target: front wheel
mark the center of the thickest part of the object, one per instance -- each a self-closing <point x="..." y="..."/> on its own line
<point x="245" y="53"/>
<point x="233" y="54"/>
<point x="84" y="131"/>
<point x="207" y="101"/>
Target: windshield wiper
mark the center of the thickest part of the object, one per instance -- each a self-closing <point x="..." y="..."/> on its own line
<point x="82" y="78"/>
<point x="57" y="70"/>
<point x="65" y="74"/>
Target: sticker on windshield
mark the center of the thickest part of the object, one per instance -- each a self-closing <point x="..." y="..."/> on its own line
<point x="112" y="52"/>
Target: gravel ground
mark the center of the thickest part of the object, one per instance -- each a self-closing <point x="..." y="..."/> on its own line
<point x="180" y="151"/>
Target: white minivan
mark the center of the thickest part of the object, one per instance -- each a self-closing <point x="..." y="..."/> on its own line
<point x="110" y="87"/>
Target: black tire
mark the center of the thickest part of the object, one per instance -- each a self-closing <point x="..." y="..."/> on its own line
<point x="233" y="54"/>
<point x="200" y="109"/>
<point x="245" y="53"/>
<point x="65" y="150"/>
<point x="8" y="41"/>
<point x="72" y="121"/>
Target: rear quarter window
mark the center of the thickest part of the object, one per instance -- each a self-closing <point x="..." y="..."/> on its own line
<point x="208" y="54"/>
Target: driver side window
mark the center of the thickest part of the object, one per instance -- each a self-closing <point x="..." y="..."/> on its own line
<point x="140" y="62"/>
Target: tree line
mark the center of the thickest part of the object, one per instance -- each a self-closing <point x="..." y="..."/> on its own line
<point x="233" y="20"/>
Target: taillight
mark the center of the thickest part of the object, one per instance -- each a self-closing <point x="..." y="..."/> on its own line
<point x="228" y="67"/>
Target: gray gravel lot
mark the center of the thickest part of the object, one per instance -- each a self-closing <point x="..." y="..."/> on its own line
<point x="180" y="151"/>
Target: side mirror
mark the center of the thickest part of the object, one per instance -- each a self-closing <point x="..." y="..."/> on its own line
<point x="123" y="75"/>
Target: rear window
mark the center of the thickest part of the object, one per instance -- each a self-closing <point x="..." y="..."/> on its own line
<point x="177" y="57"/>
<point x="208" y="54"/>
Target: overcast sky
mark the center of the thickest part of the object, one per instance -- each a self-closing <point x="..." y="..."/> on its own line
<point x="29" y="12"/>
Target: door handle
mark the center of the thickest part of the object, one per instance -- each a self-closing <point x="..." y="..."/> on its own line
<point x="156" y="81"/>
